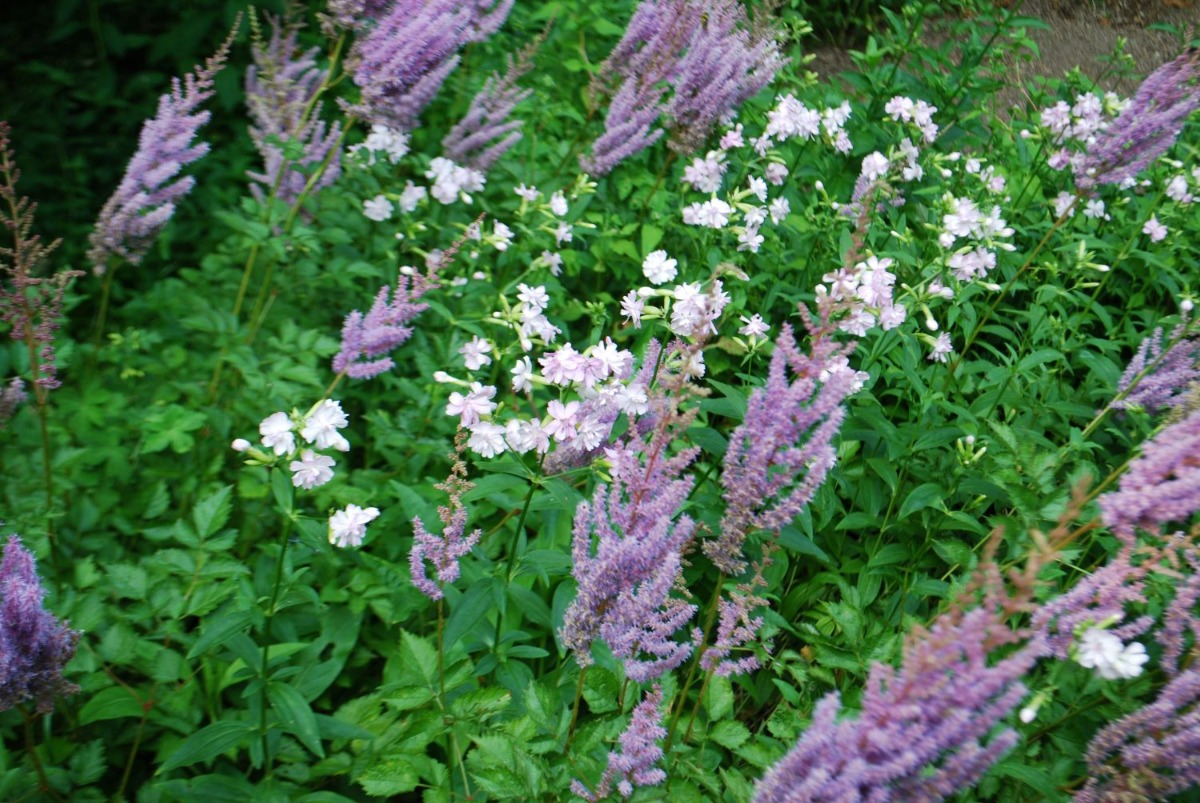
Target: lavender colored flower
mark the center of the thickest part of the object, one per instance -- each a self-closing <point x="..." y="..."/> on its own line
<point x="628" y="544"/>
<point x="1180" y="618"/>
<point x="926" y="729"/>
<point x="367" y="340"/>
<point x="736" y="628"/>
<point x="1164" y="386"/>
<point x="1100" y="597"/>
<point x="486" y="133"/>
<point x="279" y="90"/>
<point x="11" y="396"/>
<point x="1151" y="753"/>
<point x="444" y="551"/>
<point x="401" y="63"/>
<point x="145" y="199"/>
<point x="1162" y="485"/>
<point x="706" y="53"/>
<point x="635" y="764"/>
<point x="780" y="454"/>
<point x="30" y="304"/>
<point x="34" y="644"/>
<point x="1147" y="127"/>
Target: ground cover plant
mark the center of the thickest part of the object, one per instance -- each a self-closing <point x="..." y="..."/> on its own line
<point x="589" y="403"/>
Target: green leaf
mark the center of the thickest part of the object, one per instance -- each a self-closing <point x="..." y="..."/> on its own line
<point x="719" y="702"/>
<point x="953" y="552"/>
<point x="391" y="775"/>
<point x="211" y="513"/>
<point x="208" y="743"/>
<point x="417" y="653"/>
<point x="601" y="690"/>
<point x="295" y="716"/>
<point x="283" y="491"/>
<point x="469" y="612"/>
<point x="88" y="763"/>
<point x="729" y="733"/>
<point x="220" y="629"/>
<point x="651" y="237"/>
<point x="925" y="495"/>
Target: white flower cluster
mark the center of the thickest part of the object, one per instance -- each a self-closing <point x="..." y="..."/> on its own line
<point x="452" y="182"/>
<point x="1101" y="650"/>
<point x="382" y="140"/>
<point x="310" y="469"/>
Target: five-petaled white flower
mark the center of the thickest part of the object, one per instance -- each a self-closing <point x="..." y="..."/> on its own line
<point x="348" y="527"/>
<point x="471" y="406"/>
<point x="378" y="208"/>
<point x="1103" y="651"/>
<point x="658" y="267"/>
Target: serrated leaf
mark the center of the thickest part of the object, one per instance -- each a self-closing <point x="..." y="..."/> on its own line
<point x="419" y="654"/>
<point x="211" y="513"/>
<point x="208" y="743"/>
<point x="719" y="699"/>
<point x="391" y="775"/>
<point x="729" y="733"/>
<point x="219" y="629"/>
<point x="468" y="612"/>
<point x="601" y="690"/>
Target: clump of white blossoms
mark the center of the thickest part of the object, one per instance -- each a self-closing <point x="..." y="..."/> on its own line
<point x="381" y="141"/>
<point x="348" y="527"/>
<point x="318" y="427"/>
<point x="1103" y="651"/>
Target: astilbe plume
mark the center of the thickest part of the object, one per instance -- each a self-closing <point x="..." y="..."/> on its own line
<point x="30" y="304"/>
<point x="627" y="546"/>
<point x="400" y="64"/>
<point x="368" y="340"/>
<point x="34" y="645"/>
<point x="485" y="133"/>
<point x="923" y="731"/>
<point x="1165" y="385"/>
<point x="782" y="451"/>
<point x="1151" y="753"/>
<point x="686" y="62"/>
<point x="11" y="397"/>
<point x="145" y="199"/>
<point x="1147" y="127"/>
<point x="444" y="551"/>
<point x="280" y="88"/>
<point x="736" y="628"/>
<point x="635" y="764"/>
<point x="1180" y="618"/>
<point x="1162" y="485"/>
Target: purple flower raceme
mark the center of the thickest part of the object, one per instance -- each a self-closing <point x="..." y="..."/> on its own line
<point x="400" y="64"/>
<point x="1151" y="753"/>
<point x="1147" y="127"/>
<point x="34" y="645"/>
<point x="145" y="199"/>
<point x="926" y="729"/>
<point x="444" y="551"/>
<point x="485" y="133"/>
<point x="280" y="87"/>
<point x="736" y="628"/>
<point x="706" y="52"/>
<point x="1181" y="618"/>
<point x="780" y="454"/>
<point x="628" y="545"/>
<point x="367" y="340"/>
<point x="635" y="764"/>
<point x="1166" y="385"/>
<point x="1161" y="486"/>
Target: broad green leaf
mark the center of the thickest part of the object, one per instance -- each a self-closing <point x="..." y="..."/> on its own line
<point x="218" y="629"/>
<point x="729" y="733"/>
<point x="391" y="775"/>
<point x="469" y="612"/>
<point x="115" y="702"/>
<point x="295" y="716"/>
<point x="208" y="743"/>
<point x="211" y="513"/>
<point x="927" y="494"/>
<point x="719" y="699"/>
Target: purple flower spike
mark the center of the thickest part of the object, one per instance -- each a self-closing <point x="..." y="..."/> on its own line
<point x="400" y="65"/>
<point x="367" y="340"/>
<point x="1148" y="126"/>
<point x="781" y="453"/>
<point x="444" y="552"/>
<point x="145" y="199"/>
<point x="279" y="89"/>
<point x="1166" y="385"/>
<point x="485" y="133"/>
<point x="34" y="645"/>
<point x="635" y="764"/>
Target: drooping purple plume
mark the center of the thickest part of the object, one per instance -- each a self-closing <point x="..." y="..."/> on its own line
<point x="737" y="627"/>
<point x="400" y="64"/>
<point x="444" y="551"/>
<point x="686" y="63"/>
<point x="368" y="340"/>
<point x="1166" y="384"/>
<point x="34" y="645"/>
<point x="781" y="453"/>
<point x="635" y="764"/>
<point x="486" y="133"/>
<point x="280" y="87"/>
<point x="1151" y="753"/>
<point x="145" y="199"/>
<point x="628" y="544"/>
<point x="1147" y="128"/>
<point x="1162" y="485"/>
<point x="925" y="730"/>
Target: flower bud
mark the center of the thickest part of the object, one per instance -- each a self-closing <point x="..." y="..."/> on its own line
<point x="240" y="445"/>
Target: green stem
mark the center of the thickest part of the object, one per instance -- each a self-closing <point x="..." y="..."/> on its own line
<point x="31" y="748"/>
<point x="102" y="315"/>
<point x="266" y="646"/>
<point x="575" y="707"/>
<point x="709" y="617"/>
<point x="708" y="676"/>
